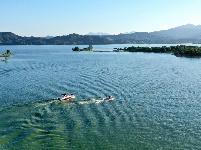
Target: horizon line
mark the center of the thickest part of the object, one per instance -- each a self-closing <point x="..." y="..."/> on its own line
<point x="104" y="33"/>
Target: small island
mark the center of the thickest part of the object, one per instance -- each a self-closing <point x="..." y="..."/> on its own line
<point x="7" y="54"/>
<point x="89" y="48"/>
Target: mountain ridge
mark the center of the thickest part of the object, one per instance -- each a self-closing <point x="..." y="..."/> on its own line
<point x="188" y="33"/>
<point x="180" y="32"/>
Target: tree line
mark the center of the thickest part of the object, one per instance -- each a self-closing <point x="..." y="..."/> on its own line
<point x="179" y="50"/>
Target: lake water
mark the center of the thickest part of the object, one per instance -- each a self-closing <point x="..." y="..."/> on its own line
<point x="157" y="99"/>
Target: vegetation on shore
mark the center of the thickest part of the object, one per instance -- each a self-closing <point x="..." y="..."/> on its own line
<point x="179" y="50"/>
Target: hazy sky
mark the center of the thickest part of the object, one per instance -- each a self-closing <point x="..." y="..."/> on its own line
<point x="62" y="17"/>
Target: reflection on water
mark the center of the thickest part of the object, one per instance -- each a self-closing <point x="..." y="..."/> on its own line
<point x="157" y="100"/>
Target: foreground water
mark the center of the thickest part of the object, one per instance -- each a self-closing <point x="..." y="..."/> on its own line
<point x="157" y="100"/>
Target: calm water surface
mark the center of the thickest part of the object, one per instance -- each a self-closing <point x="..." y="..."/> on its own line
<point x="157" y="99"/>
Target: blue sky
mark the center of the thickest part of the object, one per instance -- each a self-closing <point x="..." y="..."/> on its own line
<point x="63" y="17"/>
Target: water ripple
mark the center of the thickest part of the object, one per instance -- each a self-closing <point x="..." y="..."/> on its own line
<point x="156" y="106"/>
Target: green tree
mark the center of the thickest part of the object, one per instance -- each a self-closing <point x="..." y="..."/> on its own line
<point x="8" y="52"/>
<point x="76" y="49"/>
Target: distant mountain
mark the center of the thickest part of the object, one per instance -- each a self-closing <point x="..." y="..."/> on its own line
<point x="97" y="33"/>
<point x="180" y="32"/>
<point x="102" y="33"/>
<point x="129" y="32"/>
<point x="49" y="37"/>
